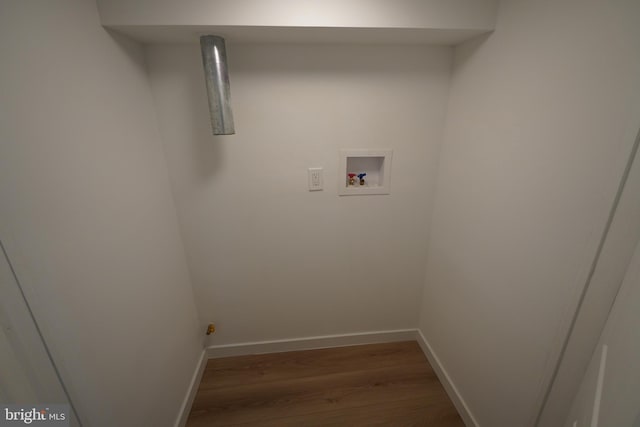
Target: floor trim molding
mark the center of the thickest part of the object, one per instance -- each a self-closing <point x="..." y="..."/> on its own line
<point x="185" y="408"/>
<point x="449" y="386"/>
<point x="309" y="343"/>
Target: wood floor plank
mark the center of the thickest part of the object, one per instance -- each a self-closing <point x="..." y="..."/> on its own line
<point x="315" y="394"/>
<point x="401" y="413"/>
<point x="390" y="384"/>
<point x="274" y="367"/>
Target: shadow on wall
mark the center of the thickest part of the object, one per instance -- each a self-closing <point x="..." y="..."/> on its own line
<point x="131" y="48"/>
<point x="465" y="51"/>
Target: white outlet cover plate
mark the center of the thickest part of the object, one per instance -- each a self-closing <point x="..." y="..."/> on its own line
<point x="315" y="179"/>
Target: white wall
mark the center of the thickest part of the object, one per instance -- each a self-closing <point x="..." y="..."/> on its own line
<point x="87" y="216"/>
<point x="614" y="378"/>
<point x="537" y="131"/>
<point x="269" y="259"/>
<point x="27" y="372"/>
<point x="617" y="251"/>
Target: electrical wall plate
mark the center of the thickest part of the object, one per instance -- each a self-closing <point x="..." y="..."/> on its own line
<point x="375" y="163"/>
<point x="315" y="179"/>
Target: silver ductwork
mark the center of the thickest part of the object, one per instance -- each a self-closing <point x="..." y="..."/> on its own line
<point x="214" y="60"/>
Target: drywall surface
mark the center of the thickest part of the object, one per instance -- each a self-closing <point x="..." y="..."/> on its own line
<point x="615" y="400"/>
<point x="87" y="217"/>
<point x="269" y="259"/>
<point x="435" y="14"/>
<point x="27" y="373"/>
<point x="536" y="137"/>
<point x="616" y="254"/>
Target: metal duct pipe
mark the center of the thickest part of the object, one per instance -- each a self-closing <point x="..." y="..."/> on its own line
<point x="214" y="60"/>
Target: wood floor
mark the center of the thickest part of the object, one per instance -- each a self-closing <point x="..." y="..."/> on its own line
<point x="366" y="385"/>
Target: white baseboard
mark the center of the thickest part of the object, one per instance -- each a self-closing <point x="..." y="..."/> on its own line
<point x="181" y="421"/>
<point x="309" y="343"/>
<point x="448" y="385"/>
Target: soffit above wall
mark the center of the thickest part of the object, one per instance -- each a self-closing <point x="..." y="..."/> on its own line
<point x="241" y="34"/>
<point x="446" y="22"/>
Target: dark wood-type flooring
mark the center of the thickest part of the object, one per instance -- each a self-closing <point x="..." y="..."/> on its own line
<point x="366" y="385"/>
